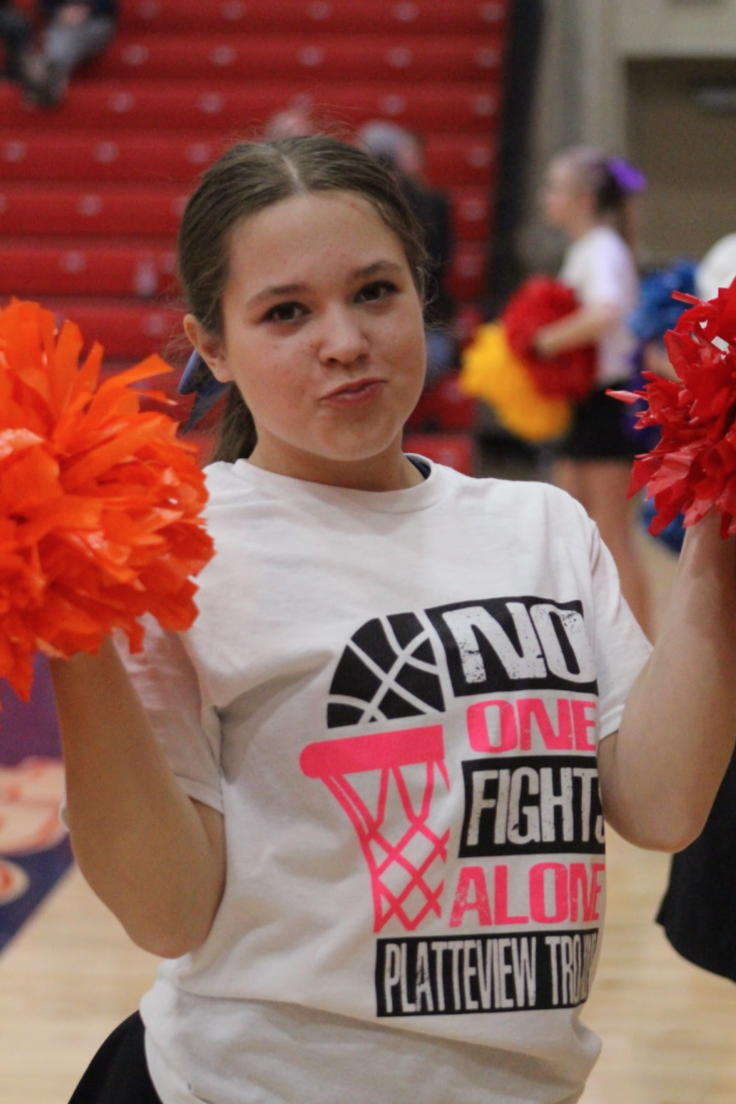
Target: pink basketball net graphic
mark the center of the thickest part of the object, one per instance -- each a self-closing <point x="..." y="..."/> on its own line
<point x="405" y="872"/>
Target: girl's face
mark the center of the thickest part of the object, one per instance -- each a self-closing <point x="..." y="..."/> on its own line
<point x="323" y="335"/>
<point x="565" y="203"/>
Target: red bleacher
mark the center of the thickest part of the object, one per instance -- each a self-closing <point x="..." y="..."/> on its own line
<point x="91" y="192"/>
<point x="357" y="16"/>
<point x="153" y="158"/>
<point x="139" y="102"/>
<point x="443" y="407"/>
<point x="455" y="450"/>
<point x="280" y="56"/>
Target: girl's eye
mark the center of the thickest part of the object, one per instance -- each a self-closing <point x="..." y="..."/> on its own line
<point x="284" y="312"/>
<point x="379" y="289"/>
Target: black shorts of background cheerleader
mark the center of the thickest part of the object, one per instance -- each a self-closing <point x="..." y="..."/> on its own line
<point x="599" y="430"/>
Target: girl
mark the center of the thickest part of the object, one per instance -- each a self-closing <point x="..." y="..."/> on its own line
<point x="588" y="196"/>
<point x="355" y="808"/>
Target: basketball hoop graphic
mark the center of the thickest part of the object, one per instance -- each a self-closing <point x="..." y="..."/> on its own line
<point x="404" y="873"/>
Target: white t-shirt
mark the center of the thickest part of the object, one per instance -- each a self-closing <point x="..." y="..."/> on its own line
<point x="395" y="700"/>
<point x="600" y="269"/>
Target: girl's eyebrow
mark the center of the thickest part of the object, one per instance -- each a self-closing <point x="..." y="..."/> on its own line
<point x="277" y="290"/>
<point x="377" y="267"/>
<point x="373" y="269"/>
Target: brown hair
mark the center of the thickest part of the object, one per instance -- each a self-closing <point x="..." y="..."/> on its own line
<point x="593" y="172"/>
<point x="248" y="178"/>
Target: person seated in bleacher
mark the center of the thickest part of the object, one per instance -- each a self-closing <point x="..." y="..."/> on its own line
<point x="292" y="122"/>
<point x="403" y="154"/>
<point x="16" y="35"/>
<point x="76" y="30"/>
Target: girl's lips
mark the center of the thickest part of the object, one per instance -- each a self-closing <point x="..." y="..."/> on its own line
<point x="357" y="391"/>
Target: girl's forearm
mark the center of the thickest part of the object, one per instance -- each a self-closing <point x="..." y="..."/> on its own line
<point x="661" y="772"/>
<point x="583" y="327"/>
<point x="152" y="855"/>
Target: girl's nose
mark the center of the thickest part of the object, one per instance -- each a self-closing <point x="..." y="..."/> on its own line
<point x="343" y="340"/>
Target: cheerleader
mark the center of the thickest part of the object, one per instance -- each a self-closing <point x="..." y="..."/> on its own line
<point x="589" y="197"/>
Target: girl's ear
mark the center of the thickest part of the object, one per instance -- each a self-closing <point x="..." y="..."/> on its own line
<point x="209" y="348"/>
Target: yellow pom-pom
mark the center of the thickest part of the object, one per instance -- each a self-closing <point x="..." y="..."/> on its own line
<point x="493" y="372"/>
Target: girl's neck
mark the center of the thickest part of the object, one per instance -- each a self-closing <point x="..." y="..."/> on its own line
<point x="391" y="471"/>
<point x="583" y="225"/>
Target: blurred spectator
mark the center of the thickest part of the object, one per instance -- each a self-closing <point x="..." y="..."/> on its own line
<point x="75" y="31"/>
<point x="656" y="313"/>
<point x="403" y="153"/>
<point x="292" y="122"/>
<point x="17" y="36"/>
<point x="588" y="196"/>
<point x="717" y="268"/>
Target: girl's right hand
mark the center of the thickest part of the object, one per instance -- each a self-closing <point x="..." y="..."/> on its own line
<point x="152" y="854"/>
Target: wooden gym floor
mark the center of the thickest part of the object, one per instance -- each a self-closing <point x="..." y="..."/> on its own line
<point x="668" y="1028"/>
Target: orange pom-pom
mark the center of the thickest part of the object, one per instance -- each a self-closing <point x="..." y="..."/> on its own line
<point x="100" y="502"/>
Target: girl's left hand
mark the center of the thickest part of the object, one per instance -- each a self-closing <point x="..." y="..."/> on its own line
<point x="660" y="772"/>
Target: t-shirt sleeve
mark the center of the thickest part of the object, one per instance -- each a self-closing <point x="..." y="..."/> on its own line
<point x="607" y="277"/>
<point x="600" y="269"/>
<point x="187" y="728"/>
<point x="620" y="646"/>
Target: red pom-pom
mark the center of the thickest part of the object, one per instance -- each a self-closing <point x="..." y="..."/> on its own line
<point x="539" y="301"/>
<point x="100" y="503"/>
<point x="693" y="467"/>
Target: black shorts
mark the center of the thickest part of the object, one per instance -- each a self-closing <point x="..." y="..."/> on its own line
<point x="601" y="430"/>
<point x="698" y="909"/>
<point x="118" y="1073"/>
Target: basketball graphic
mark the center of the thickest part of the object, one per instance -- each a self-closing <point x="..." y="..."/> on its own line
<point x="406" y="865"/>
<point x="388" y="671"/>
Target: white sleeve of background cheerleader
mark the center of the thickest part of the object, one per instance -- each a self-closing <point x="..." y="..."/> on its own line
<point x="607" y="279"/>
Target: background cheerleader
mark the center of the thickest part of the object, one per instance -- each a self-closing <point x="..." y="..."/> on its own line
<point x="588" y="196"/>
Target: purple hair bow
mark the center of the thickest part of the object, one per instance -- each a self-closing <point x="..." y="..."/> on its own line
<point x="626" y="175"/>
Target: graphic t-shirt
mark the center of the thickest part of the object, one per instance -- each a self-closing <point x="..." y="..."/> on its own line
<point x="600" y="269"/>
<point x="395" y="700"/>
